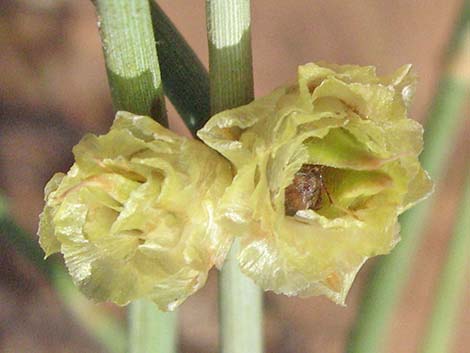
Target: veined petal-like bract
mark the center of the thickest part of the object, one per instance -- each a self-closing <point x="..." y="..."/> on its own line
<point x="135" y="215"/>
<point x="323" y="169"/>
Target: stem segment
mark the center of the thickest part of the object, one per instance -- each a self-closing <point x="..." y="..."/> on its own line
<point x="134" y="78"/>
<point x="151" y="330"/>
<point x="231" y="85"/>
<point x="231" y="70"/>
<point x="131" y="57"/>
<point x="185" y="79"/>
<point x="241" y="309"/>
<point x="389" y="276"/>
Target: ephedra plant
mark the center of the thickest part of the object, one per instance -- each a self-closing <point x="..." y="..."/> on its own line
<point x="291" y="192"/>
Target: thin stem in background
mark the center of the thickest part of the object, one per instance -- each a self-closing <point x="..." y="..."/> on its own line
<point x="22" y="241"/>
<point x="231" y="85"/>
<point x="134" y="78"/>
<point x="389" y="276"/>
<point x="453" y="279"/>
<point x="185" y="79"/>
<point x="96" y="321"/>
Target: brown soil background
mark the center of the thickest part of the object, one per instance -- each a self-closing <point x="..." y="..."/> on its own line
<point x="53" y="88"/>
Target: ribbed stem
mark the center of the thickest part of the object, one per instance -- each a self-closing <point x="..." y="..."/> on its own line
<point x="185" y="79"/>
<point x="389" y="276"/>
<point x="131" y="57"/>
<point x="452" y="282"/>
<point x="230" y="61"/>
<point x="231" y="85"/>
<point x="134" y="78"/>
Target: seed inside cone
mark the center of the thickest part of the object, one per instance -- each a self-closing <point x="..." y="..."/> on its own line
<point x="305" y="191"/>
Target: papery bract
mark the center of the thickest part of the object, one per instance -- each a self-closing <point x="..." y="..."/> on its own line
<point x="353" y="126"/>
<point x="134" y="217"/>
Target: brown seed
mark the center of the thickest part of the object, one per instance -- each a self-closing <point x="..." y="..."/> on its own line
<point x="305" y="192"/>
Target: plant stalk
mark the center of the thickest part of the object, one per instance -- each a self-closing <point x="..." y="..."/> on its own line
<point x="230" y="59"/>
<point x="131" y="57"/>
<point x="231" y="85"/>
<point x="185" y="79"/>
<point x="151" y="330"/>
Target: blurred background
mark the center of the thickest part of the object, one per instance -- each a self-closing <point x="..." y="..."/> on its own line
<point x="53" y="89"/>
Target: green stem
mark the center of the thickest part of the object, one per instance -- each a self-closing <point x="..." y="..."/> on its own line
<point x="134" y="78"/>
<point x="389" y="276"/>
<point x="150" y="328"/>
<point x="452" y="283"/>
<point x="131" y="57"/>
<point x="21" y="240"/>
<point x="185" y="79"/>
<point x="231" y="85"/>
<point x="230" y="61"/>
<point x="241" y="309"/>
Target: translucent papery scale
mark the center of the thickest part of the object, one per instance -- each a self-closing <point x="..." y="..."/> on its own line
<point x="135" y="216"/>
<point x="351" y="125"/>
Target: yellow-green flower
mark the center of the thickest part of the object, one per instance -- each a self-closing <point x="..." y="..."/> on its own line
<point x="323" y="169"/>
<point x="135" y="215"/>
